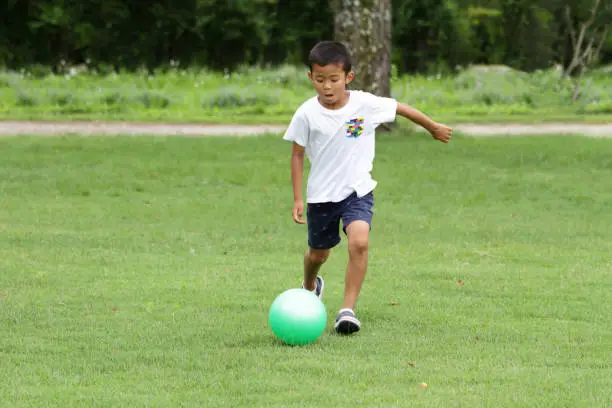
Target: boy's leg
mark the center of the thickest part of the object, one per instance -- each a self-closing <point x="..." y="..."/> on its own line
<point x="358" y="233"/>
<point x="313" y="259"/>
<point x="323" y="224"/>
<point x="357" y="220"/>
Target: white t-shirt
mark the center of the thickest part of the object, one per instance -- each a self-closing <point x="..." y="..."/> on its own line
<point x="339" y="144"/>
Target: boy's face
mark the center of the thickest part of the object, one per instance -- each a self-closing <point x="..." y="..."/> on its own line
<point x="330" y="83"/>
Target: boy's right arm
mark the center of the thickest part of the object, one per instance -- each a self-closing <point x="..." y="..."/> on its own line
<point x="297" y="170"/>
<point x="298" y="132"/>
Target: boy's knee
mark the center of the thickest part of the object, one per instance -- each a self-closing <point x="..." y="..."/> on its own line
<point x="358" y="237"/>
<point x="359" y="244"/>
<point x="318" y="256"/>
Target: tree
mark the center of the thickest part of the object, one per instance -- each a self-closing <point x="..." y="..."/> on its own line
<point x="435" y="36"/>
<point x="587" y="38"/>
<point x="364" y="27"/>
<point x="528" y="34"/>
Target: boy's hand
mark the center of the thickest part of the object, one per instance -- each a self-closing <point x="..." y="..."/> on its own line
<point x="298" y="211"/>
<point x="441" y="132"/>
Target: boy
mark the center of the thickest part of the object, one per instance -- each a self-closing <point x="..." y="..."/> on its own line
<point x="336" y="130"/>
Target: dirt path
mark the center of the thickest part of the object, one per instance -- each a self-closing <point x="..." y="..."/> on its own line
<point x="593" y="130"/>
<point x="87" y="128"/>
<point x="50" y="128"/>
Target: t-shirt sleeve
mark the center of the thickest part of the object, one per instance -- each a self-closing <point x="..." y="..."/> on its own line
<point x="298" y="129"/>
<point x="383" y="109"/>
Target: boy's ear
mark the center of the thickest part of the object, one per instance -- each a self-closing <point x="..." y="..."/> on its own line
<point x="310" y="75"/>
<point x="349" y="77"/>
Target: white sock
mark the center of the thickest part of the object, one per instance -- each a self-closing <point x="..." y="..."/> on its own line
<point x="346" y="310"/>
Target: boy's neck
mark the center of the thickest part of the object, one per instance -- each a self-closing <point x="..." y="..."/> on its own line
<point x="340" y="104"/>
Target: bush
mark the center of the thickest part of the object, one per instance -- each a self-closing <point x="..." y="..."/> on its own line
<point x="112" y="98"/>
<point x="25" y="98"/>
<point x="154" y="100"/>
<point x="231" y="97"/>
<point x="9" y="79"/>
<point x="63" y="98"/>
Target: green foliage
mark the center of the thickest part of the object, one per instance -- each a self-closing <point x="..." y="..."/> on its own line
<point x="26" y="99"/>
<point x="227" y="98"/>
<point x="9" y="79"/>
<point x="251" y="95"/>
<point x="62" y="98"/>
<point x="528" y="34"/>
<point x="485" y="34"/>
<point x="151" y="99"/>
<point x="428" y="35"/>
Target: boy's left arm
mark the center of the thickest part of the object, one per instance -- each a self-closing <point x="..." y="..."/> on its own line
<point x="438" y="131"/>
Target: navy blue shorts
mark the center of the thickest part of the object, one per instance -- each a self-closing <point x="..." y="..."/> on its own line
<point x="324" y="219"/>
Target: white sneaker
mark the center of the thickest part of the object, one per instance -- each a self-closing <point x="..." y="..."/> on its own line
<point x="346" y="322"/>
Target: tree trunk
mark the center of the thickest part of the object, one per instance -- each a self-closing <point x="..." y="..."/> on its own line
<point x="364" y="27"/>
<point x="576" y="92"/>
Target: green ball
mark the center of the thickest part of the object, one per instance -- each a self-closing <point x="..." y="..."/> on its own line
<point x="297" y="317"/>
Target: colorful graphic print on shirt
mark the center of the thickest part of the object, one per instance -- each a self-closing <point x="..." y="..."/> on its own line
<point x="354" y="127"/>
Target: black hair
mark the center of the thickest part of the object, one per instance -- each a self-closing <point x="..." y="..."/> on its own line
<point x="330" y="52"/>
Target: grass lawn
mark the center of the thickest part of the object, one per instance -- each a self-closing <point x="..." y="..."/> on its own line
<point x="139" y="271"/>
